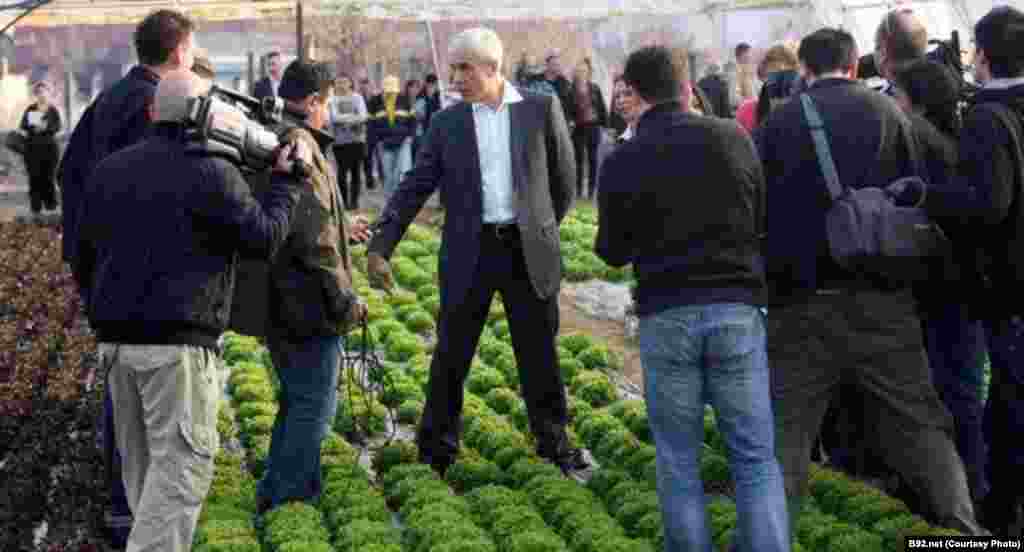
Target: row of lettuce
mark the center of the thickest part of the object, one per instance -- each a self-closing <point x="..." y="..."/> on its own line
<point x="578" y="232"/>
<point x="617" y="509"/>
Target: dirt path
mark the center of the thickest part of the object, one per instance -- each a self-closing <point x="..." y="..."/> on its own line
<point x="574" y="320"/>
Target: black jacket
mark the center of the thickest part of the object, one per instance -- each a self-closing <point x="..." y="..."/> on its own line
<point x="950" y="278"/>
<point x="716" y="90"/>
<point x="690" y="229"/>
<point x="433" y="106"/>
<point x="563" y="88"/>
<point x="41" y="143"/>
<point x="46" y="134"/>
<point x="380" y="130"/>
<point x="870" y="147"/>
<point x="985" y="199"/>
<point x="116" y="120"/>
<point x="596" y="100"/>
<point x="168" y="227"/>
<point x="263" y="89"/>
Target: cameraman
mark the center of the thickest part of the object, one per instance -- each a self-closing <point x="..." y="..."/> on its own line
<point x="166" y="250"/>
<point x="310" y="304"/>
<point x="984" y="202"/>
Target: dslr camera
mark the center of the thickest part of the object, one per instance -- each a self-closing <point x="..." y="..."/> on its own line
<point x="245" y="130"/>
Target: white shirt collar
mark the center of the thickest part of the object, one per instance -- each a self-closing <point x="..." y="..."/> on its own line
<point x="509" y="96"/>
<point x="1003" y="84"/>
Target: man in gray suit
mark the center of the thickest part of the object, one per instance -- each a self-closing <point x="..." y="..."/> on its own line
<point x="503" y="162"/>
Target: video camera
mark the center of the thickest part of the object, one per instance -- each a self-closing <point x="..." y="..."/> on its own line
<point x="244" y="129"/>
<point x="948" y="53"/>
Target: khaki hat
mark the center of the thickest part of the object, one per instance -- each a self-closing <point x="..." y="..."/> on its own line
<point x="391" y="85"/>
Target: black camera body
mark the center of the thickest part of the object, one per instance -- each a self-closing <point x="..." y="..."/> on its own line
<point x="244" y="129"/>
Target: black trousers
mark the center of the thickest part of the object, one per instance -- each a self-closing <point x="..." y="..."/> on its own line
<point x="350" y="158"/>
<point x="368" y="161"/>
<point x="533" y="324"/>
<point x="41" y="165"/>
<point x="586" y="139"/>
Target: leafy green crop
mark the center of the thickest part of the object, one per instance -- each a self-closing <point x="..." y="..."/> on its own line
<point x="294" y="522"/>
<point x="502" y="399"/>
<point x="359" y="534"/>
<point x="420" y="322"/>
<point x="482" y="381"/>
<point x="466" y="475"/>
<point x="409" y="412"/>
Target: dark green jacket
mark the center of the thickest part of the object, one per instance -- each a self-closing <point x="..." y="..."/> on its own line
<point x="306" y="290"/>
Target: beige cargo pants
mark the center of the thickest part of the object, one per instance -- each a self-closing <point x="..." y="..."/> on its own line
<point x="165" y="418"/>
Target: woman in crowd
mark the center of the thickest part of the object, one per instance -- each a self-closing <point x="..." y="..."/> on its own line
<point x="412" y="92"/>
<point x="616" y="121"/>
<point x="41" y="122"/>
<point x="348" y="117"/>
<point x="392" y="125"/>
<point x="778" y="70"/>
<point x="930" y="94"/>
<point x="590" y="116"/>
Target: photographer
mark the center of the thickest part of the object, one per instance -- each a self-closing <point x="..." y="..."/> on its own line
<point x="310" y="303"/>
<point x="984" y="201"/>
<point x="166" y="256"/>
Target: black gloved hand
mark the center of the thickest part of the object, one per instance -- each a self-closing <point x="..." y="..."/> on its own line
<point x="907" y="192"/>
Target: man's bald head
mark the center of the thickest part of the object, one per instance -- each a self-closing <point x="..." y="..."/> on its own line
<point x="901" y="39"/>
<point x="172" y="94"/>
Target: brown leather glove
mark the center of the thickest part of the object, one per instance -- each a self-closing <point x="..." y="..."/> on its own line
<point x="379" y="271"/>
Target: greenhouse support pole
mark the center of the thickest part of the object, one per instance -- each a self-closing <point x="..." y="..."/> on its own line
<point x="298" y="31"/>
<point x="69" y="92"/>
<point x="433" y="53"/>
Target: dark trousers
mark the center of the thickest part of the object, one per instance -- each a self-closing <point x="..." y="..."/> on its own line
<point x="41" y="164"/>
<point x="368" y="162"/>
<point x="1004" y="411"/>
<point x="350" y="158"/>
<point x="586" y="139"/>
<point x="533" y="324"/>
<point x="955" y="349"/>
<point x="119" y="517"/>
<point x="871" y="339"/>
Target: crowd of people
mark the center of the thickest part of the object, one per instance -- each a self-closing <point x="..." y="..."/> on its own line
<point x="890" y="362"/>
<point x="728" y="224"/>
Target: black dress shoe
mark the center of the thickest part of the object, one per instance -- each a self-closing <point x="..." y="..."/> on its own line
<point x="570" y="461"/>
<point x="262" y="505"/>
<point x="440" y="465"/>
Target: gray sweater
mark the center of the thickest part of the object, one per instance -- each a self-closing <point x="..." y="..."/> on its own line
<point x="348" y="119"/>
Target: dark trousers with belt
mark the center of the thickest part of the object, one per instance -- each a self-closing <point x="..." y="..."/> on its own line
<point x="873" y="340"/>
<point x="533" y="324"/>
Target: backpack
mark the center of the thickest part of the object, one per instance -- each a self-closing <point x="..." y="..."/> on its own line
<point x="869" y="234"/>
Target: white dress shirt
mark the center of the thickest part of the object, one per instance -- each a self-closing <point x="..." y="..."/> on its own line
<point x="493" y="130"/>
<point x="274" y="85"/>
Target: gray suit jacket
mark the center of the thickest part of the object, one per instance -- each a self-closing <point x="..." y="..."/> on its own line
<point x="543" y="174"/>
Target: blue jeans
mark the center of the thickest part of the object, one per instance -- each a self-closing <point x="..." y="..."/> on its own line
<point x="394" y="163"/>
<point x="955" y="346"/>
<point x="717" y="354"/>
<point x="308" y="372"/>
<point x="118" y="518"/>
